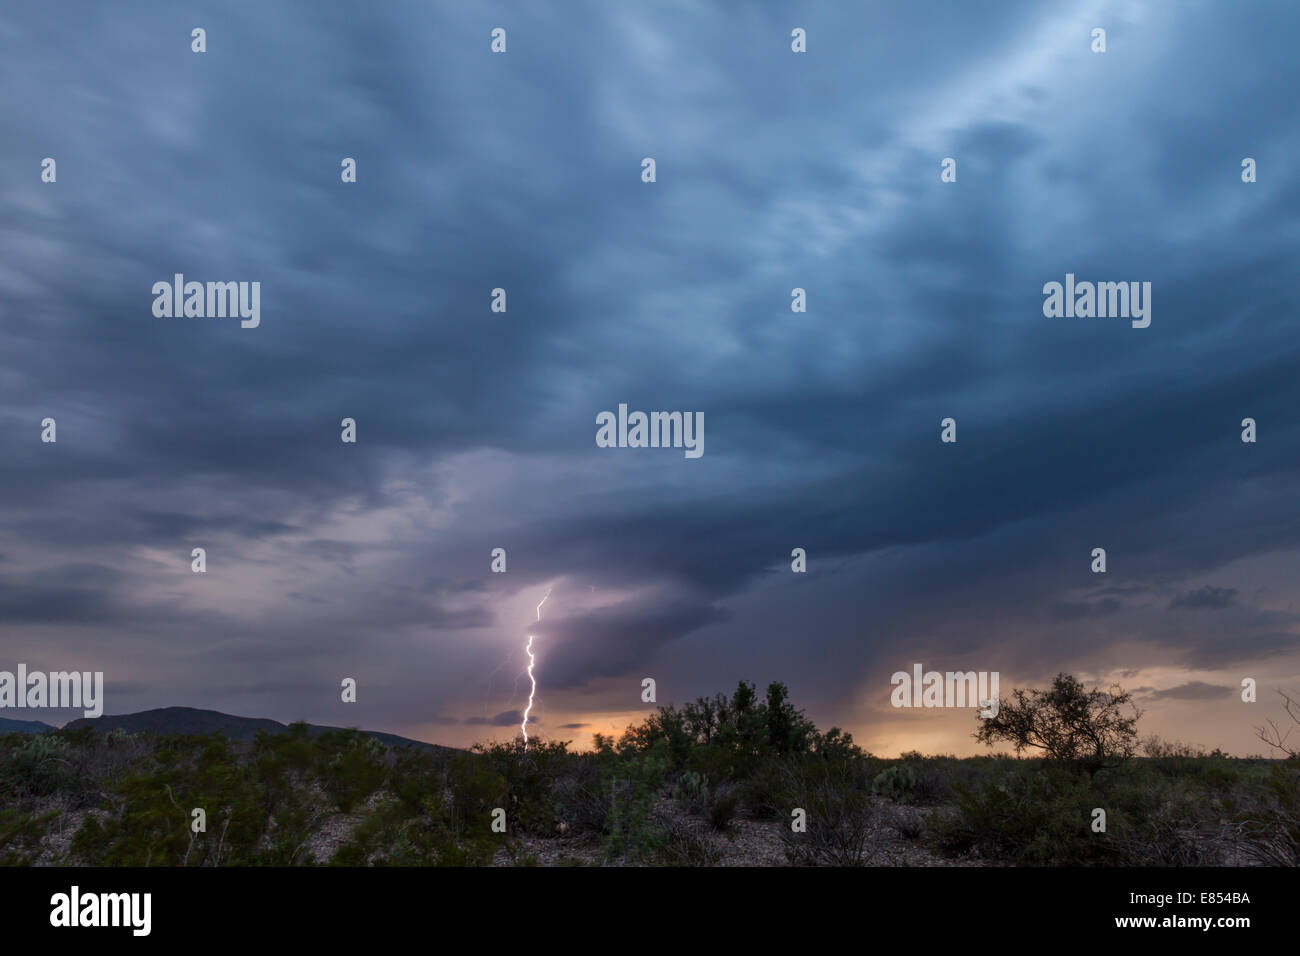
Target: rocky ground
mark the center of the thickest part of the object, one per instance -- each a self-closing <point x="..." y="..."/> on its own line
<point x="894" y="840"/>
<point x="743" y="843"/>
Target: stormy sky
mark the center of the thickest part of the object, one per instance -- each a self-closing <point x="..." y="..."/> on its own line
<point x="476" y="429"/>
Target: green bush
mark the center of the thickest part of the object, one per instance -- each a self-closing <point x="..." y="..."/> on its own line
<point x="356" y="767"/>
<point x="631" y="835"/>
<point x="38" y="766"/>
<point x="20" y="835"/>
<point x="579" y="798"/>
<point x="692" y="791"/>
<point x="1041" y="814"/>
<point x="530" y="776"/>
<point x="896" y="783"/>
<point x="679" y="845"/>
<point x="723" y="809"/>
<point x="761" y="792"/>
<point x="1269" y="824"/>
<point x="476" y="790"/>
<point x="839" y="815"/>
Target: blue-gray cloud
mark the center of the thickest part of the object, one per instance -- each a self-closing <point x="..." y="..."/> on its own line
<point x="476" y="429"/>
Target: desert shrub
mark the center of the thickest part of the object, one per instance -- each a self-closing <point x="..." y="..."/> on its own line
<point x="150" y="818"/>
<point x="20" y="835"/>
<point x="1042" y="815"/>
<point x="717" y="764"/>
<point x="897" y="783"/>
<point x="579" y="798"/>
<point x="692" y="791"/>
<point x="1033" y="816"/>
<point x="1155" y="821"/>
<point x="679" y="845"/>
<point x="353" y="767"/>
<point x="431" y="840"/>
<point x="414" y="779"/>
<point x="906" y="821"/>
<point x="1179" y="761"/>
<point x="761" y="792"/>
<point x="1268" y="823"/>
<point x="1167" y="840"/>
<point x="1219" y="773"/>
<point x="834" y="744"/>
<point x="722" y="807"/>
<point x="732" y="734"/>
<point x="373" y="837"/>
<point x="38" y="766"/>
<point x="284" y="756"/>
<point x="476" y="789"/>
<point x="100" y="761"/>
<point x="392" y="833"/>
<point x="967" y="771"/>
<point x="933" y="780"/>
<point x="530" y="777"/>
<point x="631" y="835"/>
<point x="1154" y="746"/>
<point x="839" y="819"/>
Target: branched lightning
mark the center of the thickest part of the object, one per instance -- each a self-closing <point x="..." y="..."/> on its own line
<point x="531" y="661"/>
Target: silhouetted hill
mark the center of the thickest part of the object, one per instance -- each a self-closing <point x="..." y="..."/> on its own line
<point x="191" y="720"/>
<point x="8" y="726"/>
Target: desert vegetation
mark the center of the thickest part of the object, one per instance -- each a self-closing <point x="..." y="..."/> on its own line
<point x="743" y="778"/>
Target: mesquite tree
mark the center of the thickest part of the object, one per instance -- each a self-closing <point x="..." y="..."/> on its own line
<point x="1086" y="728"/>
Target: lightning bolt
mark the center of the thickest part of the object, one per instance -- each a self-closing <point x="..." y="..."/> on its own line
<point x="531" y="661"/>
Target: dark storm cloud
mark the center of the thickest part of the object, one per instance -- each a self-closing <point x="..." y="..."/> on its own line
<point x="33" y="603"/>
<point x="475" y="429"/>
<point x="1073" y="610"/>
<point x="508" y="718"/>
<point x="1196" y="690"/>
<point x="608" y="643"/>
<point x="1207" y="597"/>
<point x="81" y="593"/>
<point x="160" y="526"/>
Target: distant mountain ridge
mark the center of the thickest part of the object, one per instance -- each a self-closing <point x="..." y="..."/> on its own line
<point x="192" y="720"/>
<point x="8" y="726"/>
